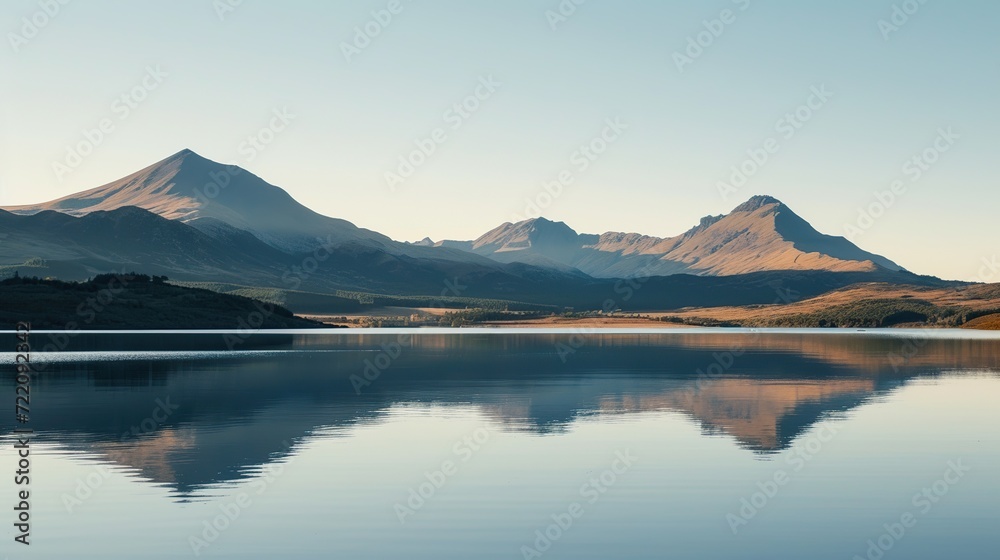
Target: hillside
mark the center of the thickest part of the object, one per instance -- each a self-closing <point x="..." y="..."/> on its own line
<point x="869" y="305"/>
<point x="134" y="301"/>
<point x="51" y="243"/>
<point x="987" y="323"/>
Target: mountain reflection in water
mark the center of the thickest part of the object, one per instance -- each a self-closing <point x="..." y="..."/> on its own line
<point x="180" y="411"/>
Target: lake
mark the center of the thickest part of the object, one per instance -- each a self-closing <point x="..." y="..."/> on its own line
<point x="692" y="444"/>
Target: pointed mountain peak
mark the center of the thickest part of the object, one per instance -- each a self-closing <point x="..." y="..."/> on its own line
<point x="187" y="157"/>
<point x="542" y="224"/>
<point x="425" y="242"/>
<point x="533" y="232"/>
<point x="188" y="152"/>
<point x="757" y="202"/>
<point x="186" y="186"/>
<point x="529" y="222"/>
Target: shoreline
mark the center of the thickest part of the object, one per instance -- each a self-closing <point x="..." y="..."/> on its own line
<point x="611" y="324"/>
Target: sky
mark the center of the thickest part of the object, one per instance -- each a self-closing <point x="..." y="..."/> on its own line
<point x="447" y="118"/>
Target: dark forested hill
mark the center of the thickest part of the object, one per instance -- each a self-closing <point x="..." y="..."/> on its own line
<point x="133" y="301"/>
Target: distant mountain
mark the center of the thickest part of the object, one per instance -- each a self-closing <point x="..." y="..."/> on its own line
<point x="762" y="234"/>
<point x="425" y="242"/>
<point x="74" y="248"/>
<point x="50" y="243"/>
<point x="196" y="220"/>
<point x="189" y="188"/>
<point x="227" y="202"/>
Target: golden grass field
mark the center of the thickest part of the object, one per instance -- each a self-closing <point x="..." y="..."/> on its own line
<point x="977" y="298"/>
<point x="987" y="323"/>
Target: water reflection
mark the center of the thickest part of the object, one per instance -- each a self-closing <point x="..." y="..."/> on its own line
<point x="204" y="417"/>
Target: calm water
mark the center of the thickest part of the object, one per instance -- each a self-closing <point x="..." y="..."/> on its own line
<point x="688" y="444"/>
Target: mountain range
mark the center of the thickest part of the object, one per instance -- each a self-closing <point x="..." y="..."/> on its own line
<point x="197" y="220"/>
<point x="762" y="234"/>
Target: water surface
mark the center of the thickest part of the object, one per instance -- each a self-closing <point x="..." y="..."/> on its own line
<point x="688" y="444"/>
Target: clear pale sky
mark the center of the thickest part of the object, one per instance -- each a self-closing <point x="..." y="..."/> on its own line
<point x="686" y="127"/>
